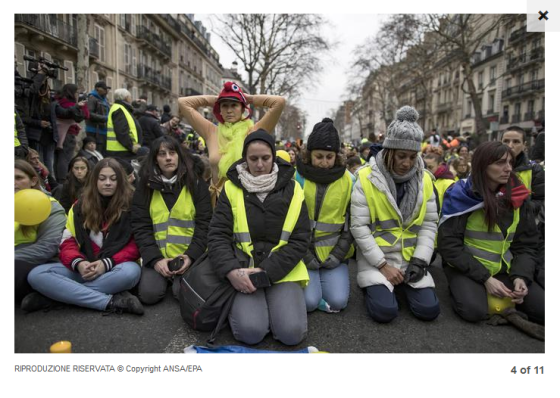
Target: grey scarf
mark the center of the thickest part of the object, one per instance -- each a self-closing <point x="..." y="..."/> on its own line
<point x="260" y="185"/>
<point x="412" y="181"/>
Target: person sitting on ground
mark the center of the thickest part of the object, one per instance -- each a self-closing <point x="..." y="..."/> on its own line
<point x="461" y="168"/>
<point x="171" y="215"/>
<point x="394" y="222"/>
<point x="327" y="186"/>
<point x="98" y="254"/>
<point x="531" y="174"/>
<point x="444" y="177"/>
<point x="74" y="184"/>
<point x="488" y="238"/>
<point x="232" y="110"/>
<point x="48" y="182"/>
<point x="89" y="151"/>
<point x="274" y="241"/>
<point x="35" y="244"/>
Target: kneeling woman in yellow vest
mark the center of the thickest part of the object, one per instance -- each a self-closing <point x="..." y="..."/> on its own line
<point x="35" y="244"/>
<point x="123" y="130"/>
<point x="327" y="186"/>
<point x="171" y="213"/>
<point x="98" y="254"/>
<point x="488" y="238"/>
<point x="261" y="210"/>
<point x="394" y="221"/>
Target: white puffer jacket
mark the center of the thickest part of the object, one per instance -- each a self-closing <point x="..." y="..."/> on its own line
<point x="369" y="255"/>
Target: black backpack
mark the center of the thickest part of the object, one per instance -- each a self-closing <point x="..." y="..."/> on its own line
<point x="205" y="299"/>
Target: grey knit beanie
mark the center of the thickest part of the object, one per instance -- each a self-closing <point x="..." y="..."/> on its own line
<point x="403" y="132"/>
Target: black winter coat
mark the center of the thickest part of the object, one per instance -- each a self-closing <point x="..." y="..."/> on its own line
<point x="524" y="246"/>
<point x="151" y="129"/>
<point x="142" y="223"/>
<point x="97" y="113"/>
<point x="265" y="221"/>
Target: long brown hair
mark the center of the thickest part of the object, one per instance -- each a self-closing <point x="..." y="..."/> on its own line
<point x="486" y="154"/>
<point x="28" y="170"/>
<point x="72" y="181"/>
<point x="96" y="216"/>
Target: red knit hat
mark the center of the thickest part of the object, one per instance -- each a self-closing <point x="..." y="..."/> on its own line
<point x="231" y="92"/>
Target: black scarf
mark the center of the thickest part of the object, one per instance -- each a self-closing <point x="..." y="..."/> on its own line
<point x="319" y="175"/>
<point x="118" y="236"/>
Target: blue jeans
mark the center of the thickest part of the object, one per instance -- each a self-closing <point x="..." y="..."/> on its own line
<point x="61" y="284"/>
<point x="382" y="305"/>
<point x="331" y="285"/>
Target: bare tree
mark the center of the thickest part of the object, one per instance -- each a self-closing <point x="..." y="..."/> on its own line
<point x="281" y="53"/>
<point x="292" y="122"/>
<point x="462" y="35"/>
<point x="82" y="65"/>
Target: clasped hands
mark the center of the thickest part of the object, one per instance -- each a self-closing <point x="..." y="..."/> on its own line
<point x="163" y="269"/>
<point x="497" y="288"/>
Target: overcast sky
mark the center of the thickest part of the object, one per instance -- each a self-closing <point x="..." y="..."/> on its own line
<point x="350" y="30"/>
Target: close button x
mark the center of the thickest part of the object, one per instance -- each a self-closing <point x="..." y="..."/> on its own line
<point x="543" y="15"/>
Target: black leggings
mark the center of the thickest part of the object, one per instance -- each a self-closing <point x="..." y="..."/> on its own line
<point x="22" y="288"/>
<point x="470" y="302"/>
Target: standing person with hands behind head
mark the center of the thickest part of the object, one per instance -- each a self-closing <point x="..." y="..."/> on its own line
<point x="225" y="141"/>
<point x="488" y="238"/>
<point x="98" y="253"/>
<point x="171" y="215"/>
<point x="394" y="221"/>
<point x="261" y="228"/>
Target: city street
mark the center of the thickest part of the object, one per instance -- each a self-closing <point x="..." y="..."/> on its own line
<point x="161" y="330"/>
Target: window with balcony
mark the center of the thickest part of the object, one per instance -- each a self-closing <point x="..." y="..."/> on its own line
<point x="493" y="70"/>
<point x="480" y="80"/>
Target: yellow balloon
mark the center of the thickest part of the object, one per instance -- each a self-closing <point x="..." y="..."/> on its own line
<point x="283" y="155"/>
<point x="497" y="305"/>
<point x="32" y="207"/>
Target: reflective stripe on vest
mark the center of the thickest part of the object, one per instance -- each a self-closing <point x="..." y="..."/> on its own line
<point x="490" y="248"/>
<point x="31" y="236"/>
<point x="173" y="231"/>
<point x="526" y="177"/>
<point x="386" y="225"/>
<point x="16" y="139"/>
<point x="242" y="236"/>
<point x="332" y="215"/>
<point x="112" y="143"/>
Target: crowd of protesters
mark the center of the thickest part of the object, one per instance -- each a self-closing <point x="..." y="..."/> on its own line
<point x="138" y="198"/>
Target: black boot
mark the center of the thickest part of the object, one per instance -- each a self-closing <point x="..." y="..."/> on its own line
<point x="125" y="302"/>
<point x="35" y="301"/>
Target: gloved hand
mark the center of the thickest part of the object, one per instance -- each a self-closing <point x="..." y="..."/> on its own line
<point x="330" y="262"/>
<point x="311" y="261"/>
<point x="416" y="270"/>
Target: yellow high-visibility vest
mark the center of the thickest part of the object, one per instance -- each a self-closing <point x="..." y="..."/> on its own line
<point x="526" y="177"/>
<point x="16" y="139"/>
<point x="113" y="144"/>
<point x="173" y="231"/>
<point x="242" y="237"/>
<point x="332" y="215"/>
<point x="490" y="248"/>
<point x="442" y="184"/>
<point x="386" y="226"/>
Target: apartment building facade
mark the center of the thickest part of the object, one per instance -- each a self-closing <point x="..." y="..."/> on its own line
<point x="162" y="56"/>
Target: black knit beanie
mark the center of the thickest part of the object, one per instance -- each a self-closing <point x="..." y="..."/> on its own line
<point x="324" y="136"/>
<point x="260" y="135"/>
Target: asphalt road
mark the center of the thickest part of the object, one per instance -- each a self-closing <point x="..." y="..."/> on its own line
<point x="161" y="330"/>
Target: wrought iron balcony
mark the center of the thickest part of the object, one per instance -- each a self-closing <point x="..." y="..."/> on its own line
<point x="535" y="85"/>
<point x="156" y="78"/>
<point x="49" y="24"/>
<point x="504" y="119"/>
<point x="515" y="118"/>
<point x="529" y="116"/>
<point x="143" y="33"/>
